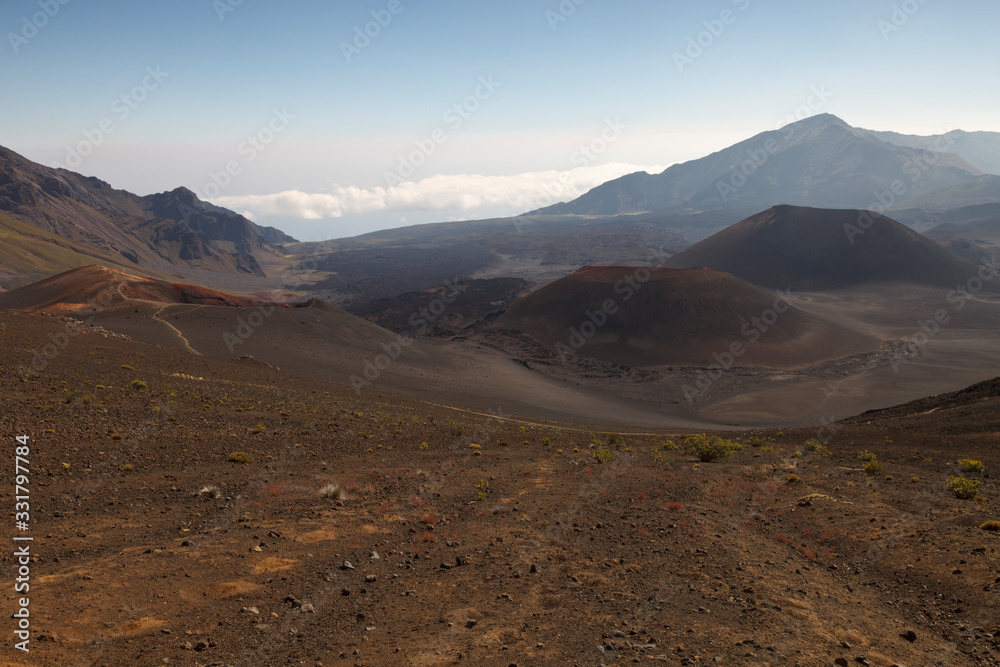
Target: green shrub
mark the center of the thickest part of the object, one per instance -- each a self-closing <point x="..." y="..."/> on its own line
<point x="240" y="457"/>
<point x="971" y="465"/>
<point x="603" y="455"/>
<point x="546" y="442"/>
<point x="964" y="488"/>
<point x="755" y="441"/>
<point x="991" y="526"/>
<point x="669" y="444"/>
<point x="867" y="456"/>
<point x="873" y="467"/>
<point x="139" y="385"/>
<point x="710" y="448"/>
<point x="615" y="439"/>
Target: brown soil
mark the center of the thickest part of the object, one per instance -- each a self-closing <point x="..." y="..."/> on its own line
<point x="648" y="557"/>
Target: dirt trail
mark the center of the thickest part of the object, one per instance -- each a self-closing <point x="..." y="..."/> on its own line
<point x="156" y="316"/>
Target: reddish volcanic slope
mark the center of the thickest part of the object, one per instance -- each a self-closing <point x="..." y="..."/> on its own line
<point x="816" y="249"/>
<point x="84" y="287"/>
<point x="642" y="317"/>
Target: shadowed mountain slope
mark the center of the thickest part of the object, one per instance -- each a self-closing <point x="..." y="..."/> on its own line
<point x="816" y="249"/>
<point x="167" y="231"/>
<point x="645" y="317"/>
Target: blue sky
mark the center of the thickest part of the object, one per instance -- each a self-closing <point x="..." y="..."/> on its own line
<point x="332" y="138"/>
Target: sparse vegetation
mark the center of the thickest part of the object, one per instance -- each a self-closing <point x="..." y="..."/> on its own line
<point x="756" y="441"/>
<point x="991" y="525"/>
<point x="483" y="486"/>
<point x="139" y="385"/>
<point x="603" y="455"/>
<point x="239" y="457"/>
<point x="546" y="442"/>
<point x="971" y="465"/>
<point x="710" y="448"/>
<point x="126" y="367"/>
<point x="867" y="456"/>
<point x="334" y="491"/>
<point x="873" y="467"/>
<point x="964" y="488"/>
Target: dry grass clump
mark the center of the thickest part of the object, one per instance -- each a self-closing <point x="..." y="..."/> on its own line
<point x="334" y="491"/>
<point x="210" y="490"/>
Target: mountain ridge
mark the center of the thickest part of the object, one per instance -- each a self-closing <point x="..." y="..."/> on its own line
<point x="819" y="161"/>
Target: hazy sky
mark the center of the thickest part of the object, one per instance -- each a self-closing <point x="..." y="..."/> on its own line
<point x="451" y="109"/>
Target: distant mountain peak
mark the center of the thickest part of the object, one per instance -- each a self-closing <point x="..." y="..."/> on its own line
<point x="818" y="161"/>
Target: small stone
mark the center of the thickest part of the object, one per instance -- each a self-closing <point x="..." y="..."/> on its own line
<point x="471" y="623"/>
<point x="308" y="609"/>
<point x="841" y="661"/>
<point x="909" y="635"/>
<point x="533" y="569"/>
<point x="370" y="578"/>
<point x="347" y="565"/>
<point x="461" y="560"/>
<point x="257" y="549"/>
<point x="187" y="543"/>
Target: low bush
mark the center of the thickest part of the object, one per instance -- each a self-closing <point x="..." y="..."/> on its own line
<point x="971" y="465"/>
<point x="710" y="448"/>
<point x="964" y="488"/>
<point x="873" y="467"/>
<point x="239" y="457"/>
<point x="603" y="455"/>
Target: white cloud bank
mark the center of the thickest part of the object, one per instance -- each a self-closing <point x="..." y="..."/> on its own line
<point x="457" y="192"/>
